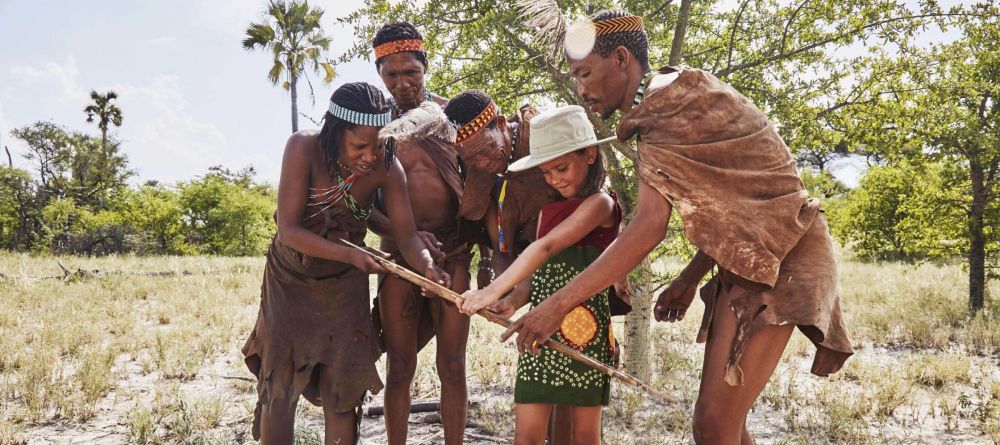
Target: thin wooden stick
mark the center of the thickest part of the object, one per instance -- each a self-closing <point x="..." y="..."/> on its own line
<point x="552" y="343"/>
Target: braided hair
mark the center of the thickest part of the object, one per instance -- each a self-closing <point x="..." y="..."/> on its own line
<point x="466" y="106"/>
<point x="357" y="96"/>
<point x="399" y="31"/>
<point x="635" y="42"/>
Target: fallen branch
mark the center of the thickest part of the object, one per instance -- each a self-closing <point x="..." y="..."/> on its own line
<point x="486" y="438"/>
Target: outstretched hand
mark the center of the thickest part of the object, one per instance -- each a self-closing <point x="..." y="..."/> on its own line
<point x="534" y="328"/>
<point x="674" y="301"/>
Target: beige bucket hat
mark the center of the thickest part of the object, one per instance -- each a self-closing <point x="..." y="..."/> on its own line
<point x="555" y="133"/>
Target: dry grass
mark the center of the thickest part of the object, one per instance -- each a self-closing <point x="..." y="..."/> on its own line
<point x="146" y="359"/>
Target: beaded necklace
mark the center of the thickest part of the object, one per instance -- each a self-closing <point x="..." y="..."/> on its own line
<point x="640" y="94"/>
<point x="398" y="110"/>
<point x="503" y="181"/>
<point x="329" y="196"/>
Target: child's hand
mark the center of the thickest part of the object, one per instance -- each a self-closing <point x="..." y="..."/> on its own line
<point x="474" y="300"/>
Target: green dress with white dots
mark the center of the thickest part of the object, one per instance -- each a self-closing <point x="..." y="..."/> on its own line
<point x="552" y="377"/>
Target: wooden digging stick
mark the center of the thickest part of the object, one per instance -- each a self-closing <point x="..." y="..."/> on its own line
<point x="552" y="343"/>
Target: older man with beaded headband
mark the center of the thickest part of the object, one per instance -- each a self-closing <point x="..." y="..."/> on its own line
<point x="506" y="203"/>
<point x="708" y="152"/>
<point x="408" y="320"/>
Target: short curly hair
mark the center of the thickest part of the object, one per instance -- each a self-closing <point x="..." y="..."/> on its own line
<point x="399" y="31"/>
<point x="466" y="106"/>
<point x="636" y="42"/>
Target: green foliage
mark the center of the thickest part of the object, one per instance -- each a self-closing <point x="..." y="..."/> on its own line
<point x="74" y="165"/>
<point x="941" y="108"/>
<point x="18" y="215"/>
<point x="156" y="215"/>
<point x="59" y="219"/>
<point x="822" y="184"/>
<point x="906" y="212"/>
<point x="226" y="214"/>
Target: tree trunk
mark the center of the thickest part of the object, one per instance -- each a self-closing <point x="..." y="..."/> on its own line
<point x="292" y="82"/>
<point x="680" y="30"/>
<point x="636" y="341"/>
<point x="977" y="245"/>
<point x="10" y="161"/>
<point x="637" y="324"/>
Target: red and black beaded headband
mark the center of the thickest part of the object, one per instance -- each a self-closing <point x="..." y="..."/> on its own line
<point x="631" y="23"/>
<point x="472" y="127"/>
<point x="398" y="46"/>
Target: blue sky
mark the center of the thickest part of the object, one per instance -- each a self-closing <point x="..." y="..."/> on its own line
<point x="191" y="96"/>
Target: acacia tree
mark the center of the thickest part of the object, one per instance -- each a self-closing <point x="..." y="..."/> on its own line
<point x="779" y="55"/>
<point x="292" y="33"/>
<point x="946" y="114"/>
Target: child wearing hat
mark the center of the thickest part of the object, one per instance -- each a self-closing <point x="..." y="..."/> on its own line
<point x="572" y="232"/>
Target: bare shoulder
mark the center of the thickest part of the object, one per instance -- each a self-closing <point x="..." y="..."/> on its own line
<point x="600" y="201"/>
<point x="601" y="207"/>
<point x="302" y="143"/>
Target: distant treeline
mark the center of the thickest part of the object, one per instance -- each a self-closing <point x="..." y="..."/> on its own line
<point x="75" y="198"/>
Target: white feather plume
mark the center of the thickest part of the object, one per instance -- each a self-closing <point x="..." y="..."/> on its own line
<point x="547" y="22"/>
<point x="426" y="120"/>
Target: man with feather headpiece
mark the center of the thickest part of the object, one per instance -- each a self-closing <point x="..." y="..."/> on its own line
<point x="708" y="152"/>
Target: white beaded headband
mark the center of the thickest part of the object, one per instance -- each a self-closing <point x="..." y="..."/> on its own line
<point x="358" y="118"/>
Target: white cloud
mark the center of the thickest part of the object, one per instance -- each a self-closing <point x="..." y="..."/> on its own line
<point x="60" y="78"/>
<point x="161" y="137"/>
<point x="163" y="140"/>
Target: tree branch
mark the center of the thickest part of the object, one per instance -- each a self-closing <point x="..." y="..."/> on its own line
<point x="784" y="55"/>
<point x="659" y="10"/>
<point x="732" y="32"/>
<point x="680" y="30"/>
<point x="788" y="24"/>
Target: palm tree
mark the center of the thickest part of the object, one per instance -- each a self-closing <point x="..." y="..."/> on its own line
<point x="292" y="33"/>
<point x="107" y="113"/>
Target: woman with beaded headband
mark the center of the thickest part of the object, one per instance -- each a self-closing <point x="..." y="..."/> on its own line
<point x="707" y="152"/>
<point x="313" y="335"/>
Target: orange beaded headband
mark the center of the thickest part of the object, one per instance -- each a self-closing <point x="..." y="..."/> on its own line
<point x="472" y="127"/>
<point x="630" y="23"/>
<point x="398" y="46"/>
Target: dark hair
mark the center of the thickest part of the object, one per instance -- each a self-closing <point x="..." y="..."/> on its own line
<point x="596" y="174"/>
<point x="358" y="96"/>
<point x="468" y="104"/>
<point x="399" y="31"/>
<point x="635" y="42"/>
